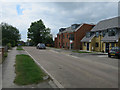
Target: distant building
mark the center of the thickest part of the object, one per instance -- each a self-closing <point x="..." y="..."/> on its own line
<point x="55" y="42"/>
<point x="70" y="37"/>
<point x="103" y="36"/>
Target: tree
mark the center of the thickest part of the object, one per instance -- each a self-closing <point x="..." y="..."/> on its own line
<point x="10" y="34"/>
<point x="38" y="33"/>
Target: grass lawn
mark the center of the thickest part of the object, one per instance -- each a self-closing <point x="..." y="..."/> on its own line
<point x="27" y="71"/>
<point x="81" y="52"/>
<point x="19" y="48"/>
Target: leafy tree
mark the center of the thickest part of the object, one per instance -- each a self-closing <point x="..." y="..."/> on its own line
<point x="10" y="34"/>
<point x="9" y="45"/>
<point x="38" y="33"/>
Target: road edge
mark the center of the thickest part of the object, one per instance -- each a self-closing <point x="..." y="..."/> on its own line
<point x="54" y="80"/>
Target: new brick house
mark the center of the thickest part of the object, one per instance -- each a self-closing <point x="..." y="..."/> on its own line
<point x="103" y="36"/>
<point x="70" y="37"/>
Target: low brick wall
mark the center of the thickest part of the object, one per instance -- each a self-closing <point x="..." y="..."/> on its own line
<point x="1" y="54"/>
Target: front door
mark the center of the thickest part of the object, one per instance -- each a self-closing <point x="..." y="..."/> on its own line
<point x="87" y="46"/>
<point x="107" y="47"/>
<point x="72" y="45"/>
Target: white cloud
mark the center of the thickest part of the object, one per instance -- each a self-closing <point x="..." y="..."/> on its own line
<point x="55" y="15"/>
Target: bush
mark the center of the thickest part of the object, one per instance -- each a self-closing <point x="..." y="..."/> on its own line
<point x="9" y="45"/>
<point x="5" y="54"/>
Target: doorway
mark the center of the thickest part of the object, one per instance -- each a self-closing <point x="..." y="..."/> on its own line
<point x="87" y="46"/>
<point x="107" y="47"/>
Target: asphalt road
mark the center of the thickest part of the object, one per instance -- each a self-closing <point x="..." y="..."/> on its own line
<point x="78" y="72"/>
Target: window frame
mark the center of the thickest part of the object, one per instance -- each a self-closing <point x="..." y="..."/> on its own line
<point x="96" y="44"/>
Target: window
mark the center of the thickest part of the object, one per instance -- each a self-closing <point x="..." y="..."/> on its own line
<point x="63" y="36"/>
<point x="88" y="34"/>
<point x="112" y="32"/>
<point x="73" y="27"/>
<point x="84" y="44"/>
<point x="103" y="33"/>
<point x="97" y="34"/>
<point x="67" y="35"/>
<point x="112" y="44"/>
<point x="59" y="43"/>
<point x="96" y="45"/>
<point x="72" y="45"/>
<point x="71" y="37"/>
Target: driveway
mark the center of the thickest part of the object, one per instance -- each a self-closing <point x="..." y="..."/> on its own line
<point x="78" y="72"/>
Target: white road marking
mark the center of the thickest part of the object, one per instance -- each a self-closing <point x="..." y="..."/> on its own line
<point x="102" y="56"/>
<point x="72" y="56"/>
<point x="54" y="51"/>
<point x="54" y="80"/>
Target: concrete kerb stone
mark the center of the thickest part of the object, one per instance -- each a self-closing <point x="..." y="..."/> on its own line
<point x="58" y="85"/>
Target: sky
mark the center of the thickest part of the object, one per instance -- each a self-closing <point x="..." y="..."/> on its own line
<point x="55" y="15"/>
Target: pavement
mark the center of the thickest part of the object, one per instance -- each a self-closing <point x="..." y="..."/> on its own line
<point x="8" y="73"/>
<point x="73" y="70"/>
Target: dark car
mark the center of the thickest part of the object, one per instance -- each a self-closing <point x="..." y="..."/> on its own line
<point x="41" y="46"/>
<point x="115" y="51"/>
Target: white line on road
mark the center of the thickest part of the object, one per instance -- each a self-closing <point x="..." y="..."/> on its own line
<point x="102" y="56"/>
<point x="54" y="80"/>
<point x="54" y="51"/>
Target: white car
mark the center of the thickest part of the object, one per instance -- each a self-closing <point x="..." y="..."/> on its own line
<point x="41" y="46"/>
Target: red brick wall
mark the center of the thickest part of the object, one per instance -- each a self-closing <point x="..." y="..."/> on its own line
<point x="80" y="33"/>
<point x="78" y="36"/>
<point x="66" y="40"/>
<point x="55" y="42"/>
<point x="59" y="40"/>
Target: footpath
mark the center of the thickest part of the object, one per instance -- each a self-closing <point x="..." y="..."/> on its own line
<point x="8" y="72"/>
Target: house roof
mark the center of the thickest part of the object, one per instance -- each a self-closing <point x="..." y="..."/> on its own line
<point x="108" y="23"/>
<point x="110" y="38"/>
<point x="85" y="39"/>
<point x="70" y="29"/>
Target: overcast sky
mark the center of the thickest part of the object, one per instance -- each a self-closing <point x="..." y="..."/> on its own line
<point x="55" y="15"/>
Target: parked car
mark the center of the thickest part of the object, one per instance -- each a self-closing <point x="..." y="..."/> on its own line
<point x="41" y="46"/>
<point x="115" y="51"/>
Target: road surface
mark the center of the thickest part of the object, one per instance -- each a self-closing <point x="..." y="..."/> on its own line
<point x="77" y="72"/>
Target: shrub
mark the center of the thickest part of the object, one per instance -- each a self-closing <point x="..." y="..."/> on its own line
<point x="9" y="45"/>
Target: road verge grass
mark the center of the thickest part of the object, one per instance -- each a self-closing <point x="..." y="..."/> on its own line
<point x="19" y="48"/>
<point x="27" y="71"/>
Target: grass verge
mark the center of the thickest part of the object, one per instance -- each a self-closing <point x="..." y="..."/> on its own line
<point x="81" y="52"/>
<point x="5" y="54"/>
<point x="19" y="48"/>
<point x="27" y="71"/>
